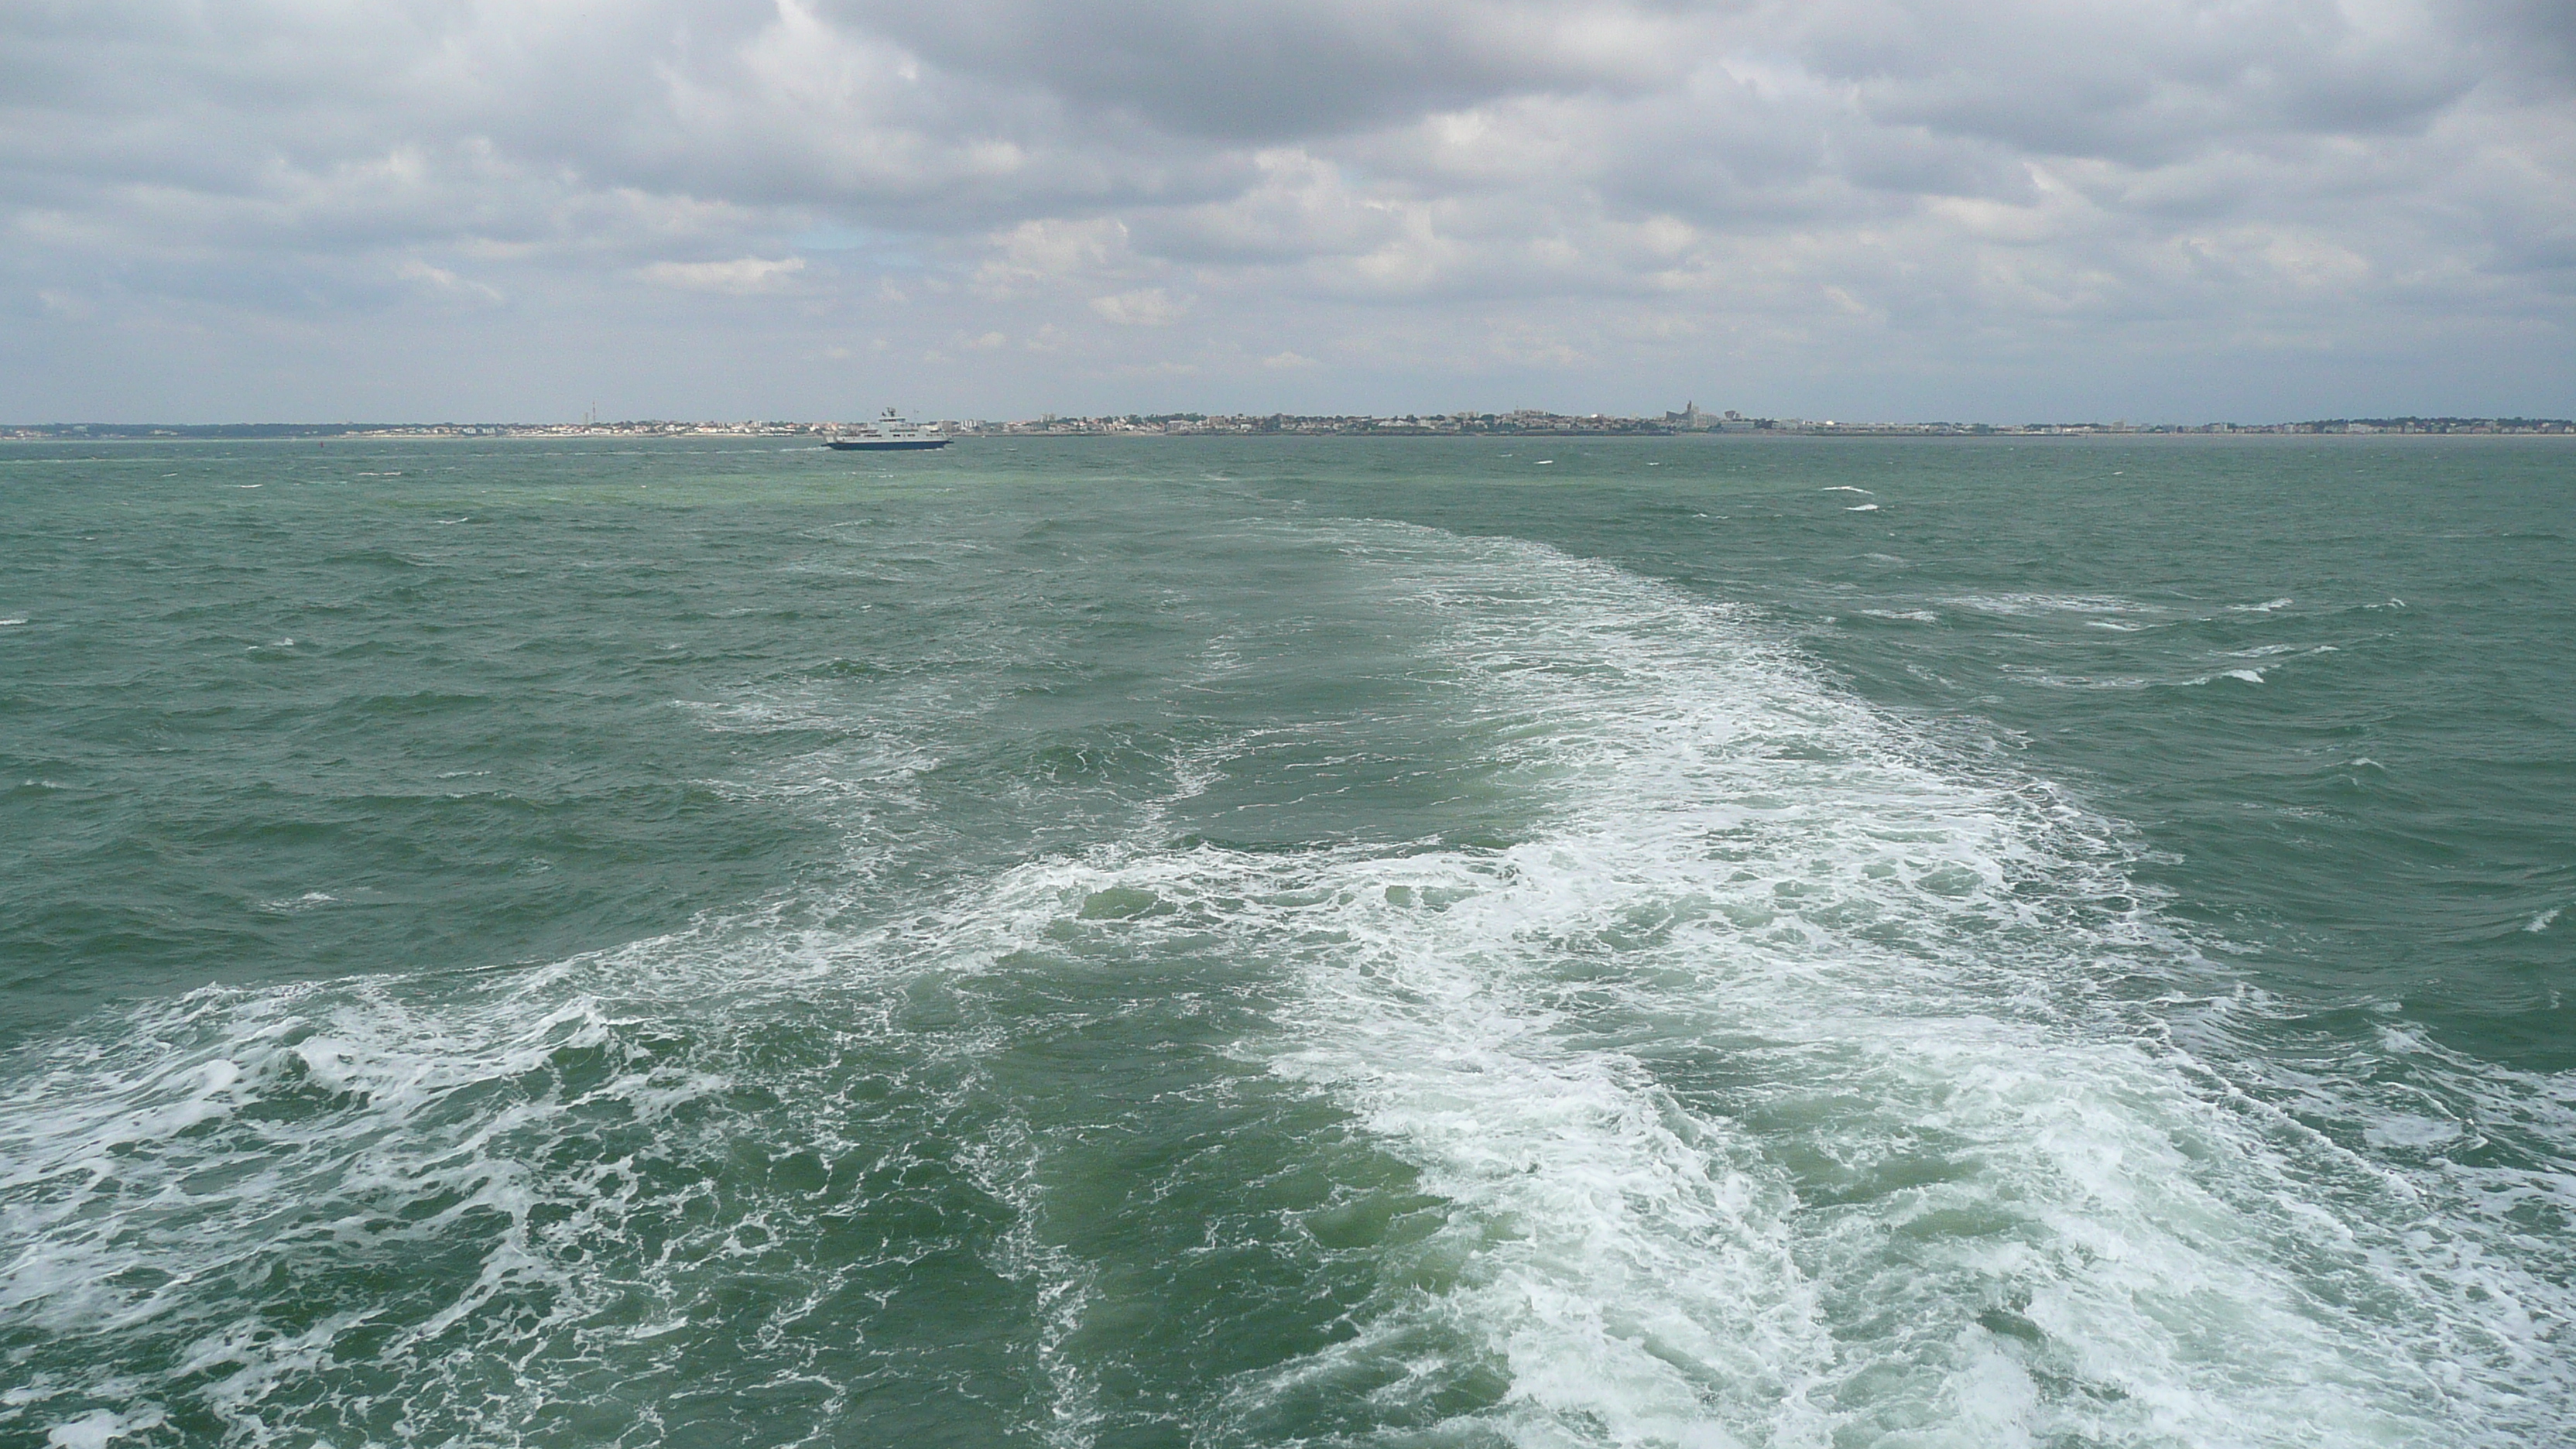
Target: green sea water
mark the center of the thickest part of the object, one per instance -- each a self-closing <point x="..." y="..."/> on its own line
<point x="1428" y="942"/>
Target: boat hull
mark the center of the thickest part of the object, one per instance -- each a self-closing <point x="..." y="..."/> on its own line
<point x="884" y="445"/>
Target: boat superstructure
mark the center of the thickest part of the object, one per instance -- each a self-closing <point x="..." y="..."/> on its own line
<point x="890" y="433"/>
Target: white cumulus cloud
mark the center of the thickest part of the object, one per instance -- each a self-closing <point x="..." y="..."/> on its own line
<point x="1144" y="307"/>
<point x="742" y="276"/>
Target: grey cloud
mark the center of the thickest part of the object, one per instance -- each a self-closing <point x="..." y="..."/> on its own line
<point x="2142" y="81"/>
<point x="1272" y="70"/>
<point x="2532" y="38"/>
<point x="1409" y="184"/>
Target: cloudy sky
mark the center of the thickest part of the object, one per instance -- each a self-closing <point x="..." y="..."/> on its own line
<point x="1997" y="210"/>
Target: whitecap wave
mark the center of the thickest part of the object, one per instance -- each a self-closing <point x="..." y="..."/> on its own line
<point x="2021" y="604"/>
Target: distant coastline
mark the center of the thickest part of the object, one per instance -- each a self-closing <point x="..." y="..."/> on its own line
<point x="1523" y="423"/>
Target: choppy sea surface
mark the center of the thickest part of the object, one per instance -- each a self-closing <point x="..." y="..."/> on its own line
<point x="1691" y="942"/>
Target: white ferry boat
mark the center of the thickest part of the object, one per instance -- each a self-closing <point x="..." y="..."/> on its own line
<point x="890" y="434"/>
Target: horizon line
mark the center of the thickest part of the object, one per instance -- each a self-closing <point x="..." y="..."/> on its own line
<point x="1469" y="423"/>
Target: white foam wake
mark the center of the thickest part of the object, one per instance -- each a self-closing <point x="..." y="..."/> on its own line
<point x="1794" y="1086"/>
<point x="1794" y="1081"/>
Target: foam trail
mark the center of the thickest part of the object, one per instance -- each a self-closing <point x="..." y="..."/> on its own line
<point x="1790" y="1081"/>
<point x="1774" y="1098"/>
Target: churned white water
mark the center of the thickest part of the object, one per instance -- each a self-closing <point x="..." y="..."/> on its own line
<point x="1797" y="1077"/>
<point x="1802" y="1083"/>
